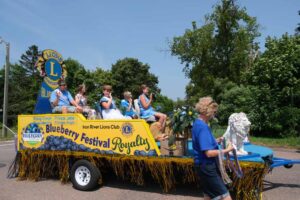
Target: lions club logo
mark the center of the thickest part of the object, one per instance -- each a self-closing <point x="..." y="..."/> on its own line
<point x="127" y="129"/>
<point x="51" y="66"/>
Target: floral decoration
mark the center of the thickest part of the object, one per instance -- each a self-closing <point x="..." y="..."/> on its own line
<point x="183" y="118"/>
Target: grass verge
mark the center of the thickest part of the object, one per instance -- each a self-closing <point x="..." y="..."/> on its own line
<point x="289" y="142"/>
<point x="10" y="135"/>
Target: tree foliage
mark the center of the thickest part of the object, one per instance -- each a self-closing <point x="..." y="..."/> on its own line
<point x="23" y="85"/>
<point x="76" y="74"/>
<point x="298" y="27"/>
<point x="235" y="98"/>
<point x="163" y="104"/>
<point x="130" y="74"/>
<point x="224" y="47"/>
<point x="28" y="60"/>
<point x="275" y="81"/>
<point x="126" y="74"/>
<point x="221" y="59"/>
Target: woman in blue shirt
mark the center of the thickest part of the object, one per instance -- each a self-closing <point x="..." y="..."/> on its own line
<point x="206" y="151"/>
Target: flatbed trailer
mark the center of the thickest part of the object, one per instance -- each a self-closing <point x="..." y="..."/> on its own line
<point x="69" y="147"/>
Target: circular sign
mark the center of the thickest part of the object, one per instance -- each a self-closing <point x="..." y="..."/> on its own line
<point x="51" y="64"/>
<point x="53" y="69"/>
<point x="127" y="129"/>
<point x="32" y="136"/>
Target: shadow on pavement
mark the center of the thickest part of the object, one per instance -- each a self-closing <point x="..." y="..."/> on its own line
<point x="2" y="165"/>
<point x="151" y="187"/>
<point x="269" y="185"/>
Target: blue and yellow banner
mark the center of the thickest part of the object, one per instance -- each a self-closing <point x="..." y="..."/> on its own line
<point x="72" y="132"/>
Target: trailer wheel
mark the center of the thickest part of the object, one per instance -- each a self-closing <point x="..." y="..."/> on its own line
<point x="288" y="166"/>
<point x="85" y="176"/>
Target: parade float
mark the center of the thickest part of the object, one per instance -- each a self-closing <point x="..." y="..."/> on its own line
<point x="70" y="147"/>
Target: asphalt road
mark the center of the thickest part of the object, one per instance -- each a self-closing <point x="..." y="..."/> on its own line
<point x="280" y="184"/>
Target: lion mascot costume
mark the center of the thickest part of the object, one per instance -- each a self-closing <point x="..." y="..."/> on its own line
<point x="237" y="131"/>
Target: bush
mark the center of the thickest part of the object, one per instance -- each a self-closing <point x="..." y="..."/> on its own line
<point x="236" y="99"/>
<point x="275" y="83"/>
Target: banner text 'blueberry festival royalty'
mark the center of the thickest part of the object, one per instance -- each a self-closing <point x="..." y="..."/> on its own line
<point x="72" y="132"/>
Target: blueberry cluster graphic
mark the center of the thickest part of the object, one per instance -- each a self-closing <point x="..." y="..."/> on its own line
<point x="60" y="143"/>
<point x="33" y="128"/>
<point x="143" y="153"/>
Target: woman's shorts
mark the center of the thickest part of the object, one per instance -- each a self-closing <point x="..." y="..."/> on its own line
<point x="213" y="185"/>
<point x="58" y="109"/>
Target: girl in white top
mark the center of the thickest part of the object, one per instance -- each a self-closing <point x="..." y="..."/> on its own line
<point x="108" y="106"/>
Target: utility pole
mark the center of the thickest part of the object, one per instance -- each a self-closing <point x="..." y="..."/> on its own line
<point x="4" y="131"/>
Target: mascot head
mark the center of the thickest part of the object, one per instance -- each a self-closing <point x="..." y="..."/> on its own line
<point x="240" y="124"/>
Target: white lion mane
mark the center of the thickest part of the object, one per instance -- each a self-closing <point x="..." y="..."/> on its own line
<point x="237" y="131"/>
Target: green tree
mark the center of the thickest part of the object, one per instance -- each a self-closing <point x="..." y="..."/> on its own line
<point x="235" y="98"/>
<point x="24" y="84"/>
<point x="163" y="104"/>
<point x="100" y="77"/>
<point x="275" y="84"/>
<point x="21" y="96"/>
<point x="93" y="80"/>
<point x="76" y="74"/>
<point x="298" y="27"/>
<point x="28" y="60"/>
<point x="224" y="47"/>
<point x="31" y="74"/>
<point x="129" y="74"/>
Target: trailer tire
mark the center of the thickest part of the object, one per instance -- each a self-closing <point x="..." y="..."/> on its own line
<point x="85" y="176"/>
<point x="288" y="166"/>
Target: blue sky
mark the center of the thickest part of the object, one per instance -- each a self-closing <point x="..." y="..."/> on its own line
<point x="97" y="33"/>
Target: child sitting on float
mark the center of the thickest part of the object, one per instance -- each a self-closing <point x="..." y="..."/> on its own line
<point x="108" y="105"/>
<point x="127" y="106"/>
<point x="81" y="100"/>
<point x="146" y="111"/>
